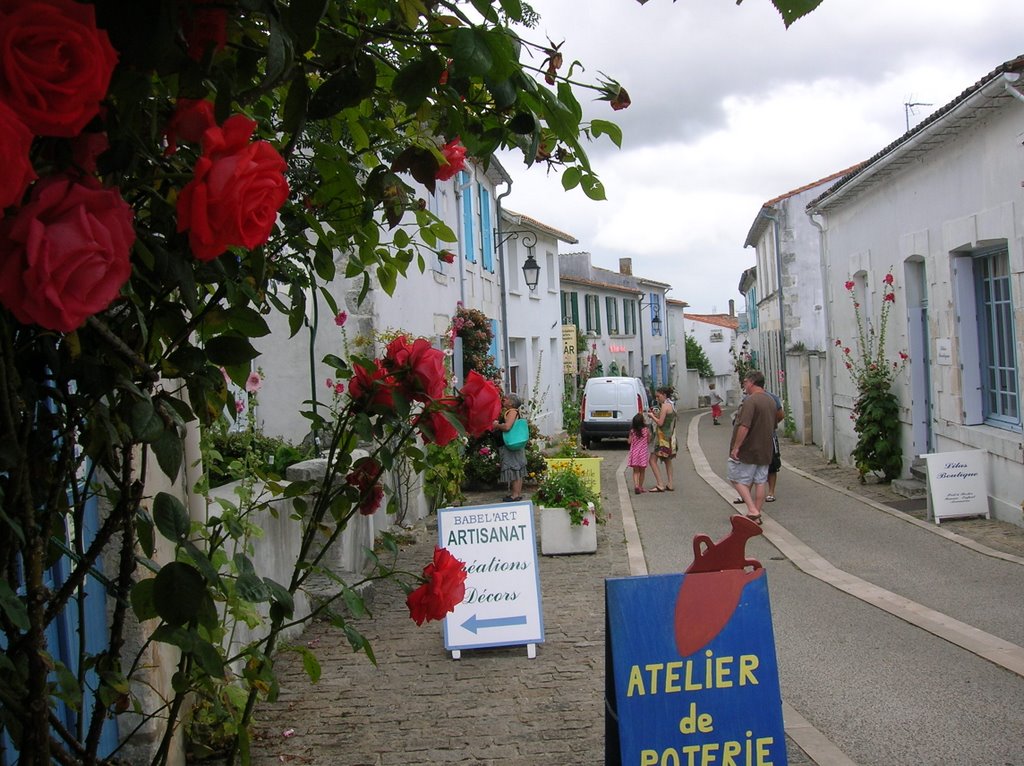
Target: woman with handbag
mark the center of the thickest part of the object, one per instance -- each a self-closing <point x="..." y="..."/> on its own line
<point x="664" y="419"/>
<point x="512" y="453"/>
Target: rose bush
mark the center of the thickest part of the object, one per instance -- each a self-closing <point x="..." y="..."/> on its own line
<point x="443" y="589"/>
<point x="15" y="142"/>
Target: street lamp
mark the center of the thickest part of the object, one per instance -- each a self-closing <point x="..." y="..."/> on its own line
<point x="531" y="272"/>
<point x="655" y="330"/>
<point x="531" y="269"/>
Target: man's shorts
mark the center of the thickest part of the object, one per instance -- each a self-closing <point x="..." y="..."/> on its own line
<point x="776" y="464"/>
<point x="746" y="473"/>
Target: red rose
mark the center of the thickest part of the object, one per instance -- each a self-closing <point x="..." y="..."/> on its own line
<point x="444" y="589"/>
<point x="55" y="65"/>
<point x="86" y="149"/>
<point x="421" y="364"/>
<point x="191" y="119"/>
<point x="455" y="157"/>
<point x="435" y="427"/>
<point x="366" y="478"/>
<point x="65" y="254"/>
<point x="204" y="28"/>
<point x="479" y="404"/>
<point x="237" y="188"/>
<point x="371" y="389"/>
<point x="15" y="141"/>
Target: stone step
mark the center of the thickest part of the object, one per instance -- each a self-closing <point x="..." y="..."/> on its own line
<point x="910" y="487"/>
<point x="919" y="470"/>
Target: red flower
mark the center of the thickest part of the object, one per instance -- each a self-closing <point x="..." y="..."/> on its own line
<point x="904" y="356"/>
<point x="191" y="119"/>
<point x="455" y="157"/>
<point x="236" y="190"/>
<point x="846" y="350"/>
<point x="850" y="285"/>
<point x="65" y="255"/>
<point x="838" y="342"/>
<point x="479" y="404"/>
<point x="887" y="279"/>
<point x="444" y="589"/>
<point x="891" y="297"/>
<point x="419" y="363"/>
<point x="86" y="149"/>
<point x="371" y="389"/>
<point x="55" y="64"/>
<point x="447" y="256"/>
<point x="15" y="141"/>
<point x="204" y="28"/>
<point x="435" y="427"/>
<point x="340" y="318"/>
<point x="366" y="478"/>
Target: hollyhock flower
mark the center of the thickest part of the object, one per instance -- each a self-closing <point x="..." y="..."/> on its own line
<point x="846" y="349"/>
<point x="455" y="158"/>
<point x="850" y="285"/>
<point x="237" y="188"/>
<point x="887" y="279"/>
<point x="339" y="388"/>
<point x="340" y="318"/>
<point x="838" y="342"/>
<point x="444" y="589"/>
<point x="329" y="382"/>
<point x="890" y="297"/>
<point x="479" y="404"/>
<point x="254" y="382"/>
<point x="191" y="119"/>
<point x="65" y="254"/>
<point x="904" y="356"/>
<point x="365" y="477"/>
<point x="239" y="406"/>
<point x="55" y="64"/>
<point x="15" y="141"/>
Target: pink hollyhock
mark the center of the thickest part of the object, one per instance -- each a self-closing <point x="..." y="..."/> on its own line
<point x="55" y="64"/>
<point x="340" y="318"/>
<point x="65" y="254"/>
<point x="339" y="387"/>
<point x="444" y="589"/>
<point x="891" y="297"/>
<point x="850" y="285"/>
<point x="239" y="406"/>
<point x="330" y="382"/>
<point x="888" y="279"/>
<point x="237" y="188"/>
<point x="455" y="158"/>
<point x="253" y="383"/>
<point x="15" y="142"/>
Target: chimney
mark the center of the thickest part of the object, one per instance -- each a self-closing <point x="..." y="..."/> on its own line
<point x="732" y="307"/>
<point x="626" y="266"/>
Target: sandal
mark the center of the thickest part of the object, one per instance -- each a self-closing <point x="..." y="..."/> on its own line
<point x="738" y="501"/>
<point x="770" y="499"/>
<point x="670" y="489"/>
<point x="756" y="518"/>
<point x="638" y="490"/>
<point x="657" y="489"/>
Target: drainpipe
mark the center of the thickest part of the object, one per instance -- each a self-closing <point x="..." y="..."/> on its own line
<point x="828" y="427"/>
<point x="500" y="253"/>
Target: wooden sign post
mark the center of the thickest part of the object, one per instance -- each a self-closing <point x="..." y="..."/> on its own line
<point x="502" y="603"/>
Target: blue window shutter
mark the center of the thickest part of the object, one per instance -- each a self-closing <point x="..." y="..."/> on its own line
<point x="486" y="235"/>
<point x="467" y="218"/>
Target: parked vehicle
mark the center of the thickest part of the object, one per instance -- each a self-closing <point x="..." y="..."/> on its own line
<point x="609" y="404"/>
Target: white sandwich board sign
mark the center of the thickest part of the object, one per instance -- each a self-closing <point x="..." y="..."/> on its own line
<point x="502" y="605"/>
<point x="957" y="486"/>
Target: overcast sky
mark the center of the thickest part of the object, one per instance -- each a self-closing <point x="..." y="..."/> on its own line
<point x="731" y="109"/>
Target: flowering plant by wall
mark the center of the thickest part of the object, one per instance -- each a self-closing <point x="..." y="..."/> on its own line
<point x="876" y="410"/>
<point x="567" y="487"/>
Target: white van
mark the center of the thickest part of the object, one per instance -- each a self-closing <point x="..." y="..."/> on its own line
<point x="609" y="405"/>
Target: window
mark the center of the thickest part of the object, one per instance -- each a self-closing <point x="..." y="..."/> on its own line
<point x="611" y="311"/>
<point x="570" y="309"/>
<point x="486" y="234"/>
<point x="551" y="273"/>
<point x="592" y="309"/>
<point x="466" y="187"/>
<point x="629" y="316"/>
<point x="512" y="265"/>
<point x="987" y="358"/>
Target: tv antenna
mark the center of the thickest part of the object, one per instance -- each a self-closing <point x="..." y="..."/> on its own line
<point x="909" y="108"/>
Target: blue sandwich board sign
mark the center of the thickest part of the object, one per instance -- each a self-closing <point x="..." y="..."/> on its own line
<point x="498" y="544"/>
<point x="692" y="678"/>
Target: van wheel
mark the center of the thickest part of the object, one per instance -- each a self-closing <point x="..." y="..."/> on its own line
<point x="585" y="442"/>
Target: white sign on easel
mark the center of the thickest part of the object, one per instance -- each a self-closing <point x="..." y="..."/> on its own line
<point x="498" y="543"/>
<point x="957" y="487"/>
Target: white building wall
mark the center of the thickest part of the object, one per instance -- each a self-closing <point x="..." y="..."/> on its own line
<point x="961" y="195"/>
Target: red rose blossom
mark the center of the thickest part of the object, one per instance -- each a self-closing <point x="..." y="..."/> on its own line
<point x="15" y="141"/>
<point x="455" y="155"/>
<point x="419" y="366"/>
<point x="55" y="64"/>
<point x="435" y="427"/>
<point x="479" y="404"/>
<point x="372" y="389"/>
<point x="444" y="589"/>
<point x="191" y="119"/>
<point x="204" y="27"/>
<point x="65" y="254"/>
<point x="366" y="478"/>
<point x="237" y="188"/>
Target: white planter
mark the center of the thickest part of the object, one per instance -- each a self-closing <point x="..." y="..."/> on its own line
<point x="558" y="536"/>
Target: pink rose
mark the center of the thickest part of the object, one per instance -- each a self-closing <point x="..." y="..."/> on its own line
<point x="479" y="404"/>
<point x="455" y="158"/>
<point x="237" y="188"/>
<point x="55" y="64"/>
<point x="191" y="119"/>
<point x="15" y="141"/>
<point x="65" y="254"/>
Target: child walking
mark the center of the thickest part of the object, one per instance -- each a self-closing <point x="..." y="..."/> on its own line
<point x="716" y="404"/>
<point x="639" y="454"/>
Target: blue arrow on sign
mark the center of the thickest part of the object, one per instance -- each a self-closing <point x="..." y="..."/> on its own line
<point x="473" y="624"/>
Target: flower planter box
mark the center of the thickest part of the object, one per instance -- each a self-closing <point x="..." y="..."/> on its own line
<point x="591" y="467"/>
<point x="559" y="537"/>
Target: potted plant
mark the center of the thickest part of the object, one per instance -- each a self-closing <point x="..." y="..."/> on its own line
<point x="570" y="510"/>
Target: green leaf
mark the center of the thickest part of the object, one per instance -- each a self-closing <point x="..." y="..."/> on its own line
<point x="296" y="104"/>
<point x="302" y="16"/>
<point x="571" y="178"/>
<point x="415" y="81"/>
<point x="281" y="597"/>
<point x="280" y="50"/>
<point x="202" y="562"/>
<point x="247" y="321"/>
<point x="170" y="517"/>
<point x="471" y="53"/>
<point x="145" y="423"/>
<point x="600" y="128"/>
<point x="592" y="187"/>
<point x="143" y="602"/>
<point x="144" y="532"/>
<point x="310" y="664"/>
<point x="13" y="607"/>
<point x="344" y="89"/>
<point x="513" y="9"/>
<point x="792" y="10"/>
<point x="169" y="453"/>
<point x="250" y="588"/>
<point x="208" y="657"/>
<point x="228" y="350"/>
<point x="178" y="592"/>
